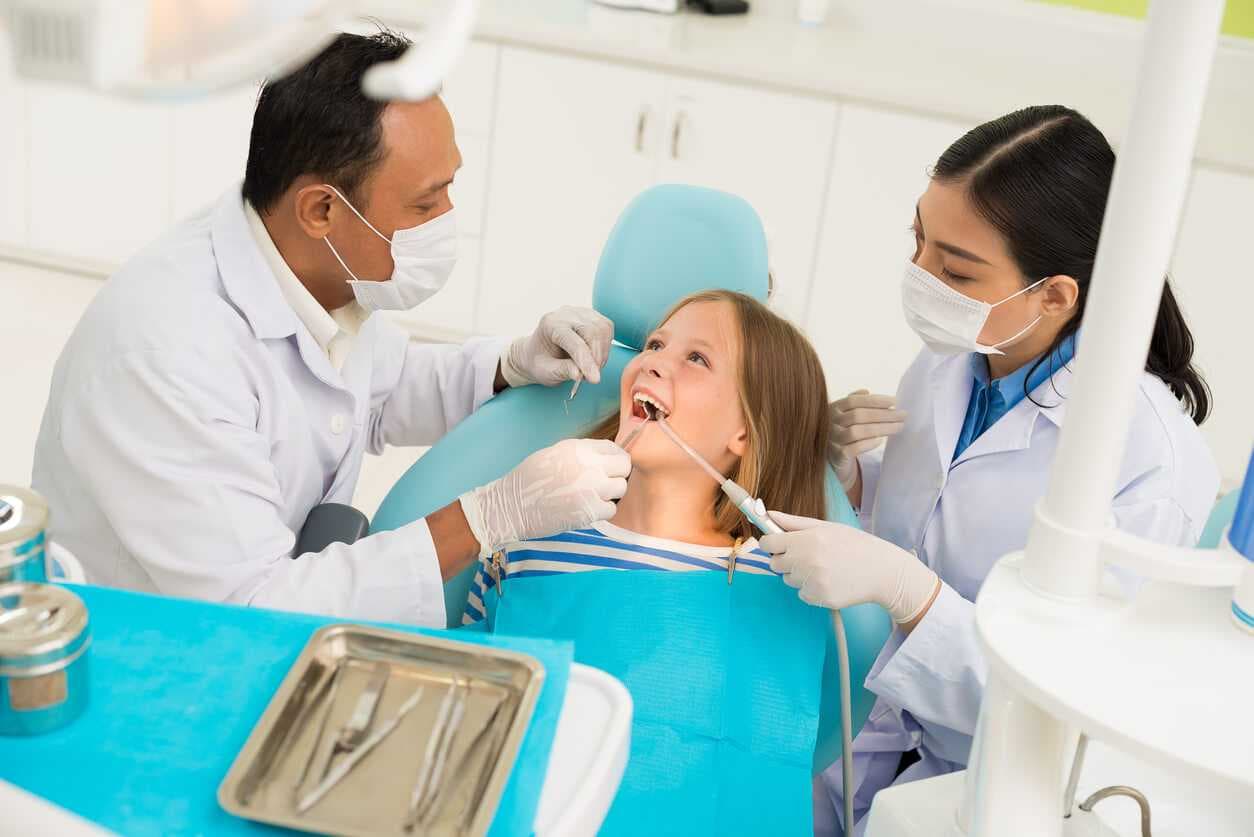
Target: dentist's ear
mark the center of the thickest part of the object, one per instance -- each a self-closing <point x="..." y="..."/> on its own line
<point x="314" y="207"/>
<point x="740" y="442"/>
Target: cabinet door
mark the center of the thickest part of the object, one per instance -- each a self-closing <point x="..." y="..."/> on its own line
<point x="14" y="187"/>
<point x="573" y="142"/>
<point x="99" y="173"/>
<point x="770" y="148"/>
<point x="1214" y="281"/>
<point x="878" y="173"/>
<point x="210" y="147"/>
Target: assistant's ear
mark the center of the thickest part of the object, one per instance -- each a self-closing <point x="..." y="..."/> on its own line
<point x="313" y="210"/>
<point x="1061" y="295"/>
<point x="740" y="442"/>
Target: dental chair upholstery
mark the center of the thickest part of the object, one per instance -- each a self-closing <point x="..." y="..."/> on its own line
<point x="672" y="240"/>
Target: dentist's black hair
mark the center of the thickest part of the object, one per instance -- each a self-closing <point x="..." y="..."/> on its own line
<point x="316" y="120"/>
<point x="1041" y="176"/>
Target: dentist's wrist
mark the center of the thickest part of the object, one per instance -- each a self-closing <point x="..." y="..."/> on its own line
<point x="508" y="370"/>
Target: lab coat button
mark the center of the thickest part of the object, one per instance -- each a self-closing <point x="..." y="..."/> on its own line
<point x="338" y="423"/>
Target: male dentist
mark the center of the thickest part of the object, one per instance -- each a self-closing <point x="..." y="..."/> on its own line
<point x="230" y="377"/>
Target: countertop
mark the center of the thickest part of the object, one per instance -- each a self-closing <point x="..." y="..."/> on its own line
<point x="968" y="60"/>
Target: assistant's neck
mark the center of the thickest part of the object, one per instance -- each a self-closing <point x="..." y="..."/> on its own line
<point x="677" y="505"/>
<point x="1033" y="344"/>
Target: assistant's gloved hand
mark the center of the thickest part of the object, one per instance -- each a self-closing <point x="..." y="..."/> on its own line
<point x="568" y="344"/>
<point x="860" y="422"/>
<point x="836" y="566"/>
<point x="570" y="485"/>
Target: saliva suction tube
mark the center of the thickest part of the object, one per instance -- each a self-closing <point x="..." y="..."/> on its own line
<point x="755" y="512"/>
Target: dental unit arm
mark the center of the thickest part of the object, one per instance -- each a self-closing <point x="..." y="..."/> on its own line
<point x="754" y="511"/>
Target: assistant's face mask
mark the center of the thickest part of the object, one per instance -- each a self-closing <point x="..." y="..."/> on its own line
<point x="947" y="321"/>
<point x="422" y="259"/>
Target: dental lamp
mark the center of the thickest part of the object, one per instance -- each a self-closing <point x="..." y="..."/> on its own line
<point x="177" y="49"/>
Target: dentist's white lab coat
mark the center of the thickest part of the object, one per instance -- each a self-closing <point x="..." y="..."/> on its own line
<point x="961" y="516"/>
<point x="193" y="422"/>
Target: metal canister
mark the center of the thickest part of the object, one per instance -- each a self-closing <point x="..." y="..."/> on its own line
<point x="44" y="637"/>
<point x="23" y="531"/>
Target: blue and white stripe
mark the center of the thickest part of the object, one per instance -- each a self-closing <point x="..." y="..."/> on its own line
<point x="607" y="547"/>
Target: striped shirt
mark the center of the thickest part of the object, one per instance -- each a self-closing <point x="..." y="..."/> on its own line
<point x="605" y="546"/>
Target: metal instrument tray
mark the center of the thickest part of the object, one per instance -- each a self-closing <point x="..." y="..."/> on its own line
<point x="313" y="703"/>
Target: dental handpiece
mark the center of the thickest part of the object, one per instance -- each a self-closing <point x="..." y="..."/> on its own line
<point x="751" y="507"/>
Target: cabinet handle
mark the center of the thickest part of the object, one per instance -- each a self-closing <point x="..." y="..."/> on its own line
<point x="641" y="121"/>
<point x="680" y="118"/>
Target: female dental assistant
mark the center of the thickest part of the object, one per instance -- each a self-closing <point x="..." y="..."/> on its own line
<point x="1005" y="238"/>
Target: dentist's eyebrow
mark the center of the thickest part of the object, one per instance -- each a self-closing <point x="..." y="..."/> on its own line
<point x="950" y="248"/>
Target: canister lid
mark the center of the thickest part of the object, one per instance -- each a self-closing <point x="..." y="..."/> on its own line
<point x="23" y="514"/>
<point x="39" y="623"/>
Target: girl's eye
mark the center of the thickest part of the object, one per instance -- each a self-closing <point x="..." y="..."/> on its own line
<point x="653" y="345"/>
<point x="697" y="357"/>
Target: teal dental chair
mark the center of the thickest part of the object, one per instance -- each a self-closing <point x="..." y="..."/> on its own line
<point x="672" y="240"/>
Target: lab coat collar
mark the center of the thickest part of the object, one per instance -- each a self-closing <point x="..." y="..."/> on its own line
<point x="951" y="392"/>
<point x="246" y="277"/>
<point x="1014" y="430"/>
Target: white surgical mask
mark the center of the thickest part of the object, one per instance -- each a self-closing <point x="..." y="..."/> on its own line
<point x="422" y="259"/>
<point x="947" y="321"/>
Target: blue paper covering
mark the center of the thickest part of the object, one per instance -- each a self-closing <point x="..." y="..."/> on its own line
<point x="725" y="681"/>
<point x="176" y="688"/>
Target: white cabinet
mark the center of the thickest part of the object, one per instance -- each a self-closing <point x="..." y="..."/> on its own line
<point x="1213" y="276"/>
<point x="879" y="171"/>
<point x="210" y="147"/>
<point x="771" y="149"/>
<point x="99" y="185"/>
<point x="574" y="141"/>
<point x="13" y="168"/>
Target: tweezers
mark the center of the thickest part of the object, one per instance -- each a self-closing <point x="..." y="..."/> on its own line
<point x="447" y="722"/>
<point x="354" y="758"/>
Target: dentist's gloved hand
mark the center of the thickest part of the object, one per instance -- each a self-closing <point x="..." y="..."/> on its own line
<point x="860" y="422"/>
<point x="568" y="344"/>
<point x="570" y="485"/>
<point x="835" y="566"/>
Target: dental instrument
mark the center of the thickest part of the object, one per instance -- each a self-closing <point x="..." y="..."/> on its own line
<point x="631" y="437"/>
<point x="754" y="511"/>
<point x="447" y="722"/>
<point x="358" y="724"/>
<point x="354" y="758"/>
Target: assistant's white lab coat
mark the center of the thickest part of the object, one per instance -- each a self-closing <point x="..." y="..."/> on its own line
<point x="193" y="422"/>
<point x="961" y="516"/>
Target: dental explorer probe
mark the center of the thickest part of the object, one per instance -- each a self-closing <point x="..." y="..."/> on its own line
<point x="754" y="510"/>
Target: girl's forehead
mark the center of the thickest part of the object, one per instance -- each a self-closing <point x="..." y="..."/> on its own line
<point x="713" y="322"/>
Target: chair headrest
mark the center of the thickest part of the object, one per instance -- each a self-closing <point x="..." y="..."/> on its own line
<point x="671" y="241"/>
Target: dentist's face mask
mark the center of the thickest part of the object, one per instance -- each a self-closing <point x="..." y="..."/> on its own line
<point x="947" y="321"/>
<point x="422" y="259"/>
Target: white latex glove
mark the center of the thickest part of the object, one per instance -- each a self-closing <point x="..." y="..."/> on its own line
<point x="860" y="422"/>
<point x="568" y="344"/>
<point x="570" y="485"/>
<point x="835" y="566"/>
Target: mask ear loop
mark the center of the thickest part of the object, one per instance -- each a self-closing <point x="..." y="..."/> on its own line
<point x="997" y="346"/>
<point x="349" y="204"/>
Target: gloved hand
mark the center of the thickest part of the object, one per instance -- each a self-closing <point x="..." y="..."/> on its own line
<point x="860" y="422"/>
<point x="567" y="486"/>
<point x="835" y="566"/>
<point x="568" y="344"/>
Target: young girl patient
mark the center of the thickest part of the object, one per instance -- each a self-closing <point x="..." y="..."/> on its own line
<point x="745" y="389"/>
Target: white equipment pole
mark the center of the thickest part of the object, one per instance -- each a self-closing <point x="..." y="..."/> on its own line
<point x="1138" y="233"/>
<point x="1015" y="783"/>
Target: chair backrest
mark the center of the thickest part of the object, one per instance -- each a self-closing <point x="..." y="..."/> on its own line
<point x="670" y="241"/>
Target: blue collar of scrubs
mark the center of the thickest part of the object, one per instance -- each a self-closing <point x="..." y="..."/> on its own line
<point x="992" y="398"/>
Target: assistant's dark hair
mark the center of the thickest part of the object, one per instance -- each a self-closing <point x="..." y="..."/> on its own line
<point x="317" y="120"/>
<point x="1041" y="177"/>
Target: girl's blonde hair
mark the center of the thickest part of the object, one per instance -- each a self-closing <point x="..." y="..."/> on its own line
<point x="783" y="396"/>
